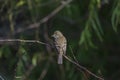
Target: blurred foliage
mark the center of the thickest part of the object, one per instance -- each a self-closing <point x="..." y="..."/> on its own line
<point x="90" y="26"/>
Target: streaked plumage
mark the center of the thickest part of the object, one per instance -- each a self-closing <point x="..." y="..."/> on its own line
<point x="60" y="43"/>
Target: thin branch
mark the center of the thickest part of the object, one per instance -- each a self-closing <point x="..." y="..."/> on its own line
<point x="39" y="42"/>
<point x="83" y="68"/>
<point x="78" y="63"/>
<point x="45" y="19"/>
<point x="21" y="40"/>
<point x="73" y="54"/>
<point x="46" y="67"/>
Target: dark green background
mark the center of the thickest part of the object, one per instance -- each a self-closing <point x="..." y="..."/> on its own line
<point x="90" y="26"/>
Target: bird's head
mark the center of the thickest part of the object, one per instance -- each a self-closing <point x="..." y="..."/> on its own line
<point x="57" y="34"/>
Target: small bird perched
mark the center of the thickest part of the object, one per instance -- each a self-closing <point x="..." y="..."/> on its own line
<point x="60" y="44"/>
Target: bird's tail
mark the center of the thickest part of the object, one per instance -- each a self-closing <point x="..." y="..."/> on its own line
<point x="60" y="59"/>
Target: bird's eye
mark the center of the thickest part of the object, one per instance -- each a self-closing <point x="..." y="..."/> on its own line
<point x="57" y="36"/>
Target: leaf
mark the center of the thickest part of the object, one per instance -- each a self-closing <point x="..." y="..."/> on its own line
<point x="20" y="3"/>
<point x="96" y="30"/>
<point x="89" y="40"/>
<point x="34" y="60"/>
<point x="19" y="69"/>
<point x="82" y="39"/>
<point x="115" y="16"/>
<point x="98" y="22"/>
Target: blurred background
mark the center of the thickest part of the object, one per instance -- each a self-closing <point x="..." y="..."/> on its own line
<point x="91" y="29"/>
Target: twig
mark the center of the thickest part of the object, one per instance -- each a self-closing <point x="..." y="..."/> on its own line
<point x="39" y="42"/>
<point x="46" y="67"/>
<point x="45" y="19"/>
<point x="78" y="63"/>
<point x="73" y="54"/>
<point x="21" y="40"/>
<point x="83" y="68"/>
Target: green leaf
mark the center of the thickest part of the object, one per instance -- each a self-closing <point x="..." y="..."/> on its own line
<point x="115" y="16"/>
<point x="82" y="38"/>
<point x="20" y="3"/>
<point x="34" y="60"/>
<point x="96" y="30"/>
<point x="19" y="69"/>
<point x="98" y="22"/>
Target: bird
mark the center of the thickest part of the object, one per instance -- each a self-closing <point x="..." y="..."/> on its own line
<point x="60" y="43"/>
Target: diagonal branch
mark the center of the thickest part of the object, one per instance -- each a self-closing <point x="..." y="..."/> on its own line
<point x="82" y="68"/>
<point x="45" y="19"/>
<point x="39" y="42"/>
